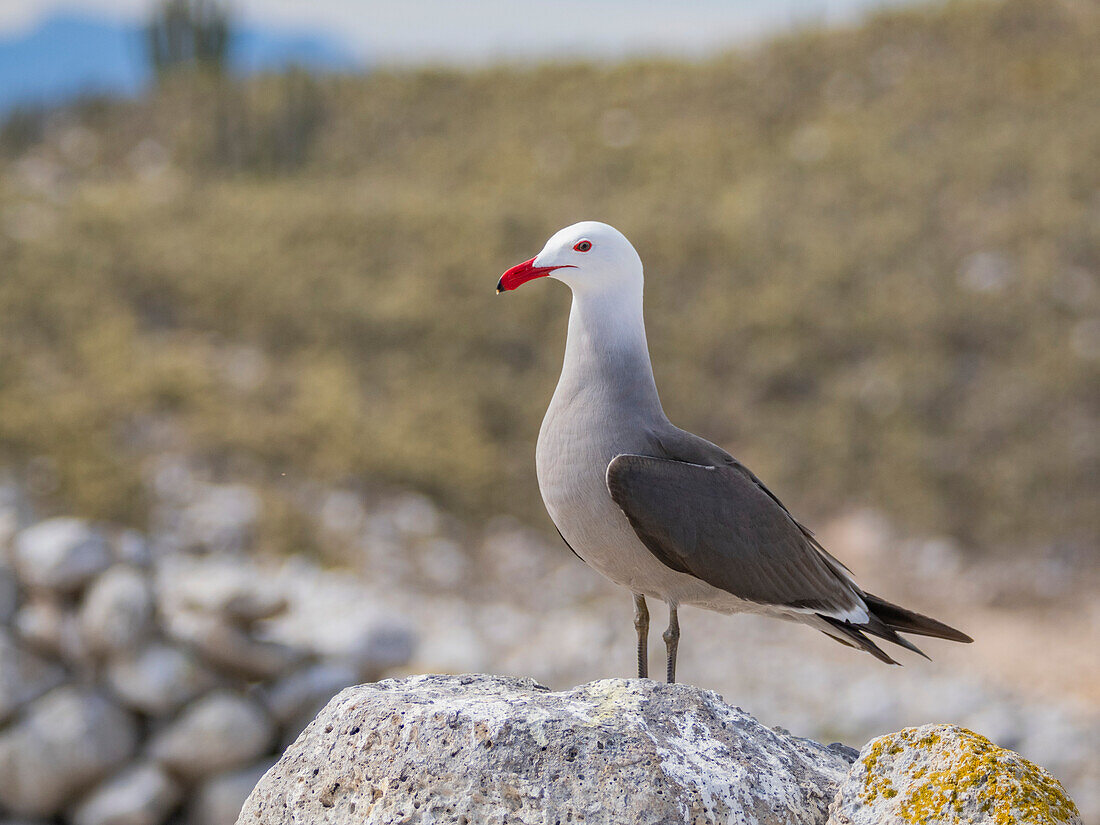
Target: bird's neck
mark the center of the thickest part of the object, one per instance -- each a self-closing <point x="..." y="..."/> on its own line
<point x="606" y="352"/>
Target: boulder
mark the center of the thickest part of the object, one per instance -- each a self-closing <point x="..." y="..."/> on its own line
<point x="226" y="587"/>
<point x="9" y="591"/>
<point x="951" y="776"/>
<point x="218" y="800"/>
<point x="60" y="554"/>
<point x="117" y="611"/>
<point x="140" y="795"/>
<point x="219" y="732"/>
<point x="24" y="676"/>
<point x="230" y="647"/>
<point x="65" y="742"/>
<point x="158" y="679"/>
<point x="494" y="749"/>
<point x="47" y="626"/>
<point x="41" y="625"/>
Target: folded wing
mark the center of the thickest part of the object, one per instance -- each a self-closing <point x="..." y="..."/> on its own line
<point x="717" y="524"/>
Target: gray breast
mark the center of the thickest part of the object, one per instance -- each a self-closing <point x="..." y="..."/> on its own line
<point x="574" y="449"/>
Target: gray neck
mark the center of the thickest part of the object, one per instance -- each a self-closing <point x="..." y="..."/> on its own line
<point x="606" y="353"/>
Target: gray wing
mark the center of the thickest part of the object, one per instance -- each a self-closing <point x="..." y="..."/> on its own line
<point x="718" y="523"/>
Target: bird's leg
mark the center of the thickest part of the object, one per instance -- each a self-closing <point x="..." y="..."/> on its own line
<point x="641" y="624"/>
<point x="672" y="641"/>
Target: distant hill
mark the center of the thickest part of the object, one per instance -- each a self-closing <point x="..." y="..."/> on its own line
<point x="71" y="54"/>
<point x="872" y="259"/>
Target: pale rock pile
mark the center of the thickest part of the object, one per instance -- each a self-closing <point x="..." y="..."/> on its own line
<point x="141" y="686"/>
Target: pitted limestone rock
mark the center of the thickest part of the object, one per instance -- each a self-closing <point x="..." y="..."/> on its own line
<point x="446" y="749"/>
<point x="948" y="775"/>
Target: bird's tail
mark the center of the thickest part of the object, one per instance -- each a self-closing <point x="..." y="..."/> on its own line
<point x="885" y="621"/>
<point x="907" y="621"/>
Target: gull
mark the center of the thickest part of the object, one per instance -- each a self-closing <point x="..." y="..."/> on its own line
<point x="660" y="511"/>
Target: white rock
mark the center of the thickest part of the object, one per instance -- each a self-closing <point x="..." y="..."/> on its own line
<point x="218" y="800"/>
<point x="228" y="587"/>
<point x="117" y="611"/>
<point x="24" y="676"/>
<point x="949" y="775"/>
<point x="230" y="647"/>
<point x="432" y="749"/>
<point x="66" y="741"/>
<point x="141" y="795"/>
<point x="218" y="732"/>
<point x="46" y="627"/>
<point x="158" y="679"/>
<point x="60" y="554"/>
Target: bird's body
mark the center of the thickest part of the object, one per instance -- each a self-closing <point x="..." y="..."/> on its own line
<point x="592" y="418"/>
<point x="655" y="509"/>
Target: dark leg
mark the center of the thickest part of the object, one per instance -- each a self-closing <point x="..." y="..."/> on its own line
<point x="641" y="624"/>
<point x="672" y="641"/>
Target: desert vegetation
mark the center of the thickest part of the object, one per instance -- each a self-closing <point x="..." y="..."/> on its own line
<point x="873" y="261"/>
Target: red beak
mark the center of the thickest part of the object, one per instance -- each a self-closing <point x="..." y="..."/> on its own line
<point x="524" y="272"/>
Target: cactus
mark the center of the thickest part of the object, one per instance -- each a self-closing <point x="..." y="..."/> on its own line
<point x="188" y="33"/>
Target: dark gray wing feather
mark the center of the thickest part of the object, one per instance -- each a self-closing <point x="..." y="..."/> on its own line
<point x="718" y="523"/>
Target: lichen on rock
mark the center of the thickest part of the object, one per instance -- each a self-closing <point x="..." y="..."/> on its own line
<point x="945" y="774"/>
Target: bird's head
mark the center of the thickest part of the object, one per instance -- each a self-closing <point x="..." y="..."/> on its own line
<point x="589" y="257"/>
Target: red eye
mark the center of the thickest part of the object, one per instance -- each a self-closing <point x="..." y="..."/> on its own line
<point x="583" y="246"/>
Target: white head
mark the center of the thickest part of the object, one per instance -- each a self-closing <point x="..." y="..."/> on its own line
<point x="589" y="257"/>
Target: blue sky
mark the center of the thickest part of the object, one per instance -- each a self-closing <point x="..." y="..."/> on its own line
<point x="447" y="31"/>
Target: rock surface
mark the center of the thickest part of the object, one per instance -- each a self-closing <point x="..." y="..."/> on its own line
<point x="140" y="795"/>
<point x="23" y="676"/>
<point x="117" y="612"/>
<point x="69" y="739"/>
<point x="948" y="775"/>
<point x="141" y="685"/>
<point x="230" y="647"/>
<point x="218" y="732"/>
<point x="60" y="554"/>
<point x="495" y="749"/>
<point x="158" y="678"/>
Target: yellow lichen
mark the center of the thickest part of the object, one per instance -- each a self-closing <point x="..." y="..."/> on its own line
<point x="611" y="697"/>
<point x="974" y="773"/>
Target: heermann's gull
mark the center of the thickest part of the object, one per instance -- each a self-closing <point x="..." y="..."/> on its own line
<point x="661" y="511"/>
